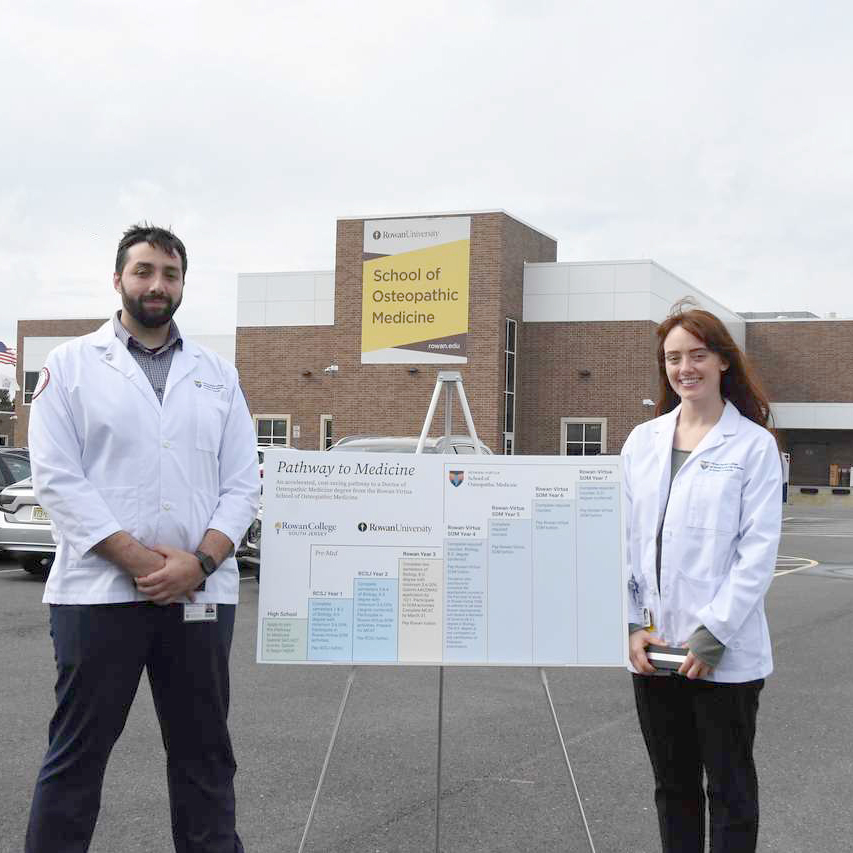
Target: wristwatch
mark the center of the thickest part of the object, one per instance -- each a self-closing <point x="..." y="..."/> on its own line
<point x="208" y="564"/>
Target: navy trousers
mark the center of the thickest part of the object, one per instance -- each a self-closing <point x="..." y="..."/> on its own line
<point x="100" y="653"/>
<point x="696" y="728"/>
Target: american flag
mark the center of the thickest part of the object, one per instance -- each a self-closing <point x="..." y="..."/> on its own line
<point x="7" y="356"/>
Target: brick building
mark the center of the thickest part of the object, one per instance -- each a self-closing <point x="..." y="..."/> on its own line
<point x="559" y="354"/>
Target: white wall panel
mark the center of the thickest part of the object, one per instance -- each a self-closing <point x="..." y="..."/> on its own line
<point x="633" y="277"/>
<point x="290" y="287"/>
<point x="546" y="278"/>
<point x="615" y="290"/>
<point x="668" y="287"/>
<point x="591" y="278"/>
<point x="286" y="298"/>
<point x="324" y="312"/>
<point x="324" y="286"/>
<point x="545" y="308"/>
<point x="631" y="306"/>
<point x="251" y="314"/>
<point x="813" y="415"/>
<point x="290" y="313"/>
<point x="658" y="308"/>
<point x="251" y="287"/>
<point x="589" y="307"/>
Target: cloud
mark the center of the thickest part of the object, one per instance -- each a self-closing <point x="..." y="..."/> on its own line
<point x="712" y="138"/>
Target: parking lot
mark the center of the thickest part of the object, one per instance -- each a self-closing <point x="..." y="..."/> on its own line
<point x="505" y="786"/>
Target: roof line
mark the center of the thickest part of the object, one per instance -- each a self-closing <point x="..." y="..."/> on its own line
<point x="452" y="213"/>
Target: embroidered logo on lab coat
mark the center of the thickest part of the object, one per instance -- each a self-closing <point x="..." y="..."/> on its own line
<point x="720" y="467"/>
<point x="209" y="386"/>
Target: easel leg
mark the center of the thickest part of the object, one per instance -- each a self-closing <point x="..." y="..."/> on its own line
<point x="350" y="679"/>
<point x="544" y="678"/>
<point x="438" y="761"/>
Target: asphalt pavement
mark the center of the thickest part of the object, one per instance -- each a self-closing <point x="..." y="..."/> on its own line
<point x="504" y="783"/>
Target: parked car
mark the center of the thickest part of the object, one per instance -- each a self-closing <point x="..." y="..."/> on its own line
<point x="461" y="444"/>
<point x="14" y="465"/>
<point x="25" y="530"/>
<point x="262" y="448"/>
<point x="249" y="552"/>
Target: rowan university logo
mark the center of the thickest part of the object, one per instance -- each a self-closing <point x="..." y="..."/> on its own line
<point x="457" y="478"/>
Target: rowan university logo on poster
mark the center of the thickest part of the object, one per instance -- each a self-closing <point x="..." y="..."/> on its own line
<point x="457" y="478"/>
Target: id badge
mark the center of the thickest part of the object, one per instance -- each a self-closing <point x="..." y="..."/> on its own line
<point x="199" y="613"/>
<point x="647" y="618"/>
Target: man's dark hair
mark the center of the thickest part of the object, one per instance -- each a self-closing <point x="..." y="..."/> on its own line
<point x="162" y="238"/>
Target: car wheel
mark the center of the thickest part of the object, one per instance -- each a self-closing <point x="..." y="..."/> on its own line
<point x="35" y="565"/>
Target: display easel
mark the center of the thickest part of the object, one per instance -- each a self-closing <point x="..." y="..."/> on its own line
<point x="448" y="380"/>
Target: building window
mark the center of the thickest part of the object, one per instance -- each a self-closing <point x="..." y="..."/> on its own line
<point x="509" y="386"/>
<point x="583" y="436"/>
<point x="4" y="440"/>
<point x="273" y="429"/>
<point x="31" y="378"/>
<point x="326" y="440"/>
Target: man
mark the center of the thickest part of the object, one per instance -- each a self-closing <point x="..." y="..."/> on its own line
<point x="143" y="454"/>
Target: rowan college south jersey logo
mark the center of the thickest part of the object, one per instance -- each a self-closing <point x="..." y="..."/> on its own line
<point x="457" y="478"/>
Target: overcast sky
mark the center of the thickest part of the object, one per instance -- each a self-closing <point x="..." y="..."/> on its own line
<point x="713" y="137"/>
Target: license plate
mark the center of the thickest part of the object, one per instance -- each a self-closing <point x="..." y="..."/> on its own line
<point x="39" y="514"/>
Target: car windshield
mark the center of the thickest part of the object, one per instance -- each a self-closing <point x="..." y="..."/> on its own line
<point x="18" y="466"/>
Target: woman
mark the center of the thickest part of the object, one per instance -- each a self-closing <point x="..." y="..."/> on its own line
<point x="703" y="485"/>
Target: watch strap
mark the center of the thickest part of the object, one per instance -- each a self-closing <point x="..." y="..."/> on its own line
<point x="208" y="564"/>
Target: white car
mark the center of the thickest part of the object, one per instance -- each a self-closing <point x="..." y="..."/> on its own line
<point x="25" y="529"/>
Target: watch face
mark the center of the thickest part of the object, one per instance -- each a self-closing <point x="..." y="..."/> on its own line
<point x="207" y="564"/>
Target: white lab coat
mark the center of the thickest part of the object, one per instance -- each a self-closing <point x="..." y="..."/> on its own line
<point x="719" y="538"/>
<point x="106" y="456"/>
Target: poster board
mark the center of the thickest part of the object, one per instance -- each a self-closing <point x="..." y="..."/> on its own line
<point x="370" y="558"/>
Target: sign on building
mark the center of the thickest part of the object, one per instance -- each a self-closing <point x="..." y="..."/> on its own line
<point x="415" y="283"/>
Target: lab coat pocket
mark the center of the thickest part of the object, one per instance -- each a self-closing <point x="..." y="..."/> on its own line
<point x="210" y="424"/>
<point x="714" y="503"/>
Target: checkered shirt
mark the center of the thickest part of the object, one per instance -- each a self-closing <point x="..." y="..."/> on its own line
<point x="155" y="364"/>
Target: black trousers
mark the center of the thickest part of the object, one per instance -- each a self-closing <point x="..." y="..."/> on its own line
<point x="695" y="726"/>
<point x="100" y="653"/>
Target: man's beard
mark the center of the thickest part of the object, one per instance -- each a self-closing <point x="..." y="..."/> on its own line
<point x="146" y="316"/>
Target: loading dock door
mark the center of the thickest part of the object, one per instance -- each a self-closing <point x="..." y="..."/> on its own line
<point x="809" y="464"/>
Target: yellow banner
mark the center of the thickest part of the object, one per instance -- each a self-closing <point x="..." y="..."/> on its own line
<point x="417" y="301"/>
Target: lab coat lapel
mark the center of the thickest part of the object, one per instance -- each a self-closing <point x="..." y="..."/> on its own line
<point x="115" y="355"/>
<point x="663" y="454"/>
<point x="184" y="362"/>
<point x="717" y="435"/>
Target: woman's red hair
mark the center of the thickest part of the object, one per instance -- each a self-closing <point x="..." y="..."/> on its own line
<point x="738" y="383"/>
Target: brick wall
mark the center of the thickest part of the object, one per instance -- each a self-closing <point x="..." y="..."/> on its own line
<point x="7" y="428"/>
<point x="380" y="398"/>
<point x="43" y="329"/>
<point x="804" y="362"/>
<point x="620" y="358"/>
<point x="520" y="244"/>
